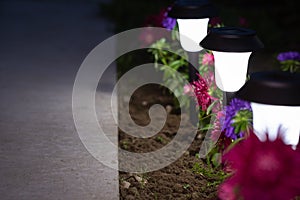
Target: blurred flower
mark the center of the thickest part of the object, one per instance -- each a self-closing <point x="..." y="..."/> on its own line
<point x="218" y="124"/>
<point x="291" y="55"/>
<point x="188" y="90"/>
<point x="161" y="20"/>
<point x="226" y="191"/>
<point x="243" y="21"/>
<point x="168" y="22"/>
<point x="210" y="80"/>
<point x="201" y="93"/>
<point x="215" y="21"/>
<point x="262" y="170"/>
<point x="290" y="61"/>
<point x="208" y="59"/>
<point x="154" y="20"/>
<point x="149" y="35"/>
<point x="236" y="107"/>
<point x="207" y="72"/>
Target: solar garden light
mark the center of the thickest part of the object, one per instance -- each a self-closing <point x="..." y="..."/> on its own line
<point x="192" y="19"/>
<point x="275" y="102"/>
<point x="231" y="47"/>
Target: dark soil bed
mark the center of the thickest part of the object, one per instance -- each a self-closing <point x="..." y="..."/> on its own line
<point x="176" y="181"/>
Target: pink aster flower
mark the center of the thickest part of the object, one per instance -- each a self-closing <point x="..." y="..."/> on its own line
<point x="188" y="89"/>
<point x="210" y="79"/>
<point x="149" y="35"/>
<point x="262" y="170"/>
<point x="201" y="93"/>
<point x="218" y="126"/>
<point x="208" y="59"/>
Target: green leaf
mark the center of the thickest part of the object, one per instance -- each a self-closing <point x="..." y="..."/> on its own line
<point x="207" y="127"/>
<point x="210" y="107"/>
<point x="175" y="64"/>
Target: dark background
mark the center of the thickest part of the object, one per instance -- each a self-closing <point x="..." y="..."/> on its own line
<point x="276" y="23"/>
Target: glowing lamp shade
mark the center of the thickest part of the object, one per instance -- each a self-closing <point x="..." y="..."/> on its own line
<point x="231" y="47"/>
<point x="192" y="31"/>
<point x="192" y="18"/>
<point x="269" y="118"/>
<point x="275" y="102"/>
<point x="230" y="70"/>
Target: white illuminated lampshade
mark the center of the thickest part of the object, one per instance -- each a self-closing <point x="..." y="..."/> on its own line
<point x="231" y="69"/>
<point x="275" y="103"/>
<point x="269" y="118"/>
<point x="192" y="19"/>
<point x="192" y="31"/>
<point x="231" y="47"/>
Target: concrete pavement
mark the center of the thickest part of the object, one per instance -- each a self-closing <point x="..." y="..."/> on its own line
<point x="41" y="156"/>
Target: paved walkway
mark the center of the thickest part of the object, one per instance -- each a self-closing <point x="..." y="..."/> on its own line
<point x="42" y="45"/>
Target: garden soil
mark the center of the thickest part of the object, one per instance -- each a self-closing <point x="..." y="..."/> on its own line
<point x="176" y="181"/>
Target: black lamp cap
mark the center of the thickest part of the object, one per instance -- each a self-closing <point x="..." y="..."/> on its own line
<point x="272" y="87"/>
<point x="192" y="9"/>
<point x="231" y="39"/>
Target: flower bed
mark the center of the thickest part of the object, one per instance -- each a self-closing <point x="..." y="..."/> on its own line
<point x="238" y="165"/>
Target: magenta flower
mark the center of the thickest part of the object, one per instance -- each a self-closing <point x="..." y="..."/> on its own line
<point x="227" y="191"/>
<point x="201" y="93"/>
<point x="262" y="170"/>
<point x="156" y="20"/>
<point x="208" y="59"/>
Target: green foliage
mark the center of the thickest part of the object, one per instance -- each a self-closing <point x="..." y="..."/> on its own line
<point x="215" y="176"/>
<point x="214" y="157"/>
<point x="204" y="120"/>
<point x="160" y="139"/>
<point x="242" y="121"/>
<point x="186" y="186"/>
<point x="177" y="61"/>
<point x="290" y="66"/>
<point x="124" y="145"/>
<point x="162" y="53"/>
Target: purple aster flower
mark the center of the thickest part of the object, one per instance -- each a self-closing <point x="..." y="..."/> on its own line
<point x="161" y="19"/>
<point x="291" y="55"/>
<point x="168" y="22"/>
<point x="231" y="110"/>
